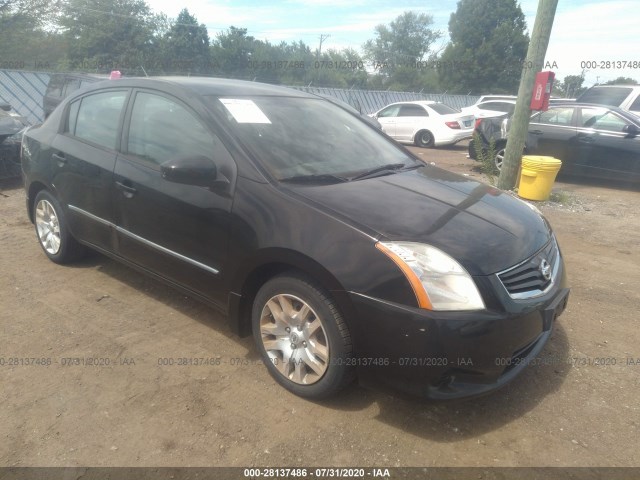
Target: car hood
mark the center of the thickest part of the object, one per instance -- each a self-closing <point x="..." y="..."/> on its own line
<point x="485" y="229"/>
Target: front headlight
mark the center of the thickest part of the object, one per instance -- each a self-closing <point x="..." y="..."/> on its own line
<point x="439" y="282"/>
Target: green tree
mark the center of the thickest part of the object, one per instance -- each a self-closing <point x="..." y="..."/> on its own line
<point x="186" y="46"/>
<point x="621" y="81"/>
<point x="569" y="87"/>
<point x="487" y="49"/>
<point x="103" y="35"/>
<point x="232" y="51"/>
<point x="398" y="49"/>
<point x="337" y="68"/>
<point x="26" y="45"/>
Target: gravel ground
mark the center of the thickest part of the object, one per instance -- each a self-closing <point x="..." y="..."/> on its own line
<point x="579" y="407"/>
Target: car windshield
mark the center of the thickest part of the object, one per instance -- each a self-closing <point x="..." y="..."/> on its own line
<point x="294" y="137"/>
<point x="443" y="109"/>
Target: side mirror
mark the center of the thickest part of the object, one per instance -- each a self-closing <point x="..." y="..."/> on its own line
<point x="5" y="106"/>
<point x="631" y="129"/>
<point x="196" y="170"/>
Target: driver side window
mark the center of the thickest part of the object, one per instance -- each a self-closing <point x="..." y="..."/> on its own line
<point x="162" y="130"/>
<point x="602" y="119"/>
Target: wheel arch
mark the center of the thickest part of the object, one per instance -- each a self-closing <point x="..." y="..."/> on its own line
<point x="34" y="188"/>
<point x="421" y="129"/>
<point x="273" y="262"/>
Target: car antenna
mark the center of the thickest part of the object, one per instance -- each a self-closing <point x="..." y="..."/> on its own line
<point x="145" y="72"/>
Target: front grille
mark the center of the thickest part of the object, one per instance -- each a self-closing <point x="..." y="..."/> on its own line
<point x="527" y="279"/>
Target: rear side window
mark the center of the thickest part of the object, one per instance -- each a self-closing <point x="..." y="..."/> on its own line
<point x="412" y="111"/>
<point x="162" y="130"/>
<point x="635" y="106"/>
<point x="613" y="96"/>
<point x="555" y="116"/>
<point x="97" y="118"/>
<point x="442" y="109"/>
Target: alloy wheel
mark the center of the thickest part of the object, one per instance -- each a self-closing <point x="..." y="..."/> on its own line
<point x="48" y="227"/>
<point x="294" y="338"/>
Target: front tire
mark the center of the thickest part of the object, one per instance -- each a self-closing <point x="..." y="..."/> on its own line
<point x="52" y="231"/>
<point x="302" y="338"/>
<point x="424" y="139"/>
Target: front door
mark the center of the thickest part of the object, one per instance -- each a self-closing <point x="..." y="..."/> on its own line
<point x="605" y="150"/>
<point x="175" y="230"/>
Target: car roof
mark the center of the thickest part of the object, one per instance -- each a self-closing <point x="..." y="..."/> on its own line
<point x="205" y="86"/>
<point x="570" y="103"/>
<point x="485" y="98"/>
<point x="423" y="103"/>
<point x="634" y="86"/>
<point x="88" y="76"/>
<point x="501" y="100"/>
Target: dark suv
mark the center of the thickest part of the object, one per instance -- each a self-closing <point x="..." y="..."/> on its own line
<point x="338" y="250"/>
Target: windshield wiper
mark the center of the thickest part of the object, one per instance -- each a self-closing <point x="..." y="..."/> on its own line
<point x="315" y="178"/>
<point x="384" y="170"/>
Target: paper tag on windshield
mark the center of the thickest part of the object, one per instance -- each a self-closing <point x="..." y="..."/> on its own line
<point x="244" y="111"/>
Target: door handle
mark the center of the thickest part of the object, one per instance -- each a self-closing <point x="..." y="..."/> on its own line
<point x="59" y="158"/>
<point x="536" y="132"/>
<point x="586" y="139"/>
<point x="127" y="191"/>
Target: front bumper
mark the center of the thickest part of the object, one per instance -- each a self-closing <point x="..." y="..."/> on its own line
<point x="448" y="355"/>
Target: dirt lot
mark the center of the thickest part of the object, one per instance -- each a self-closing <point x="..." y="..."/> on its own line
<point x="580" y="407"/>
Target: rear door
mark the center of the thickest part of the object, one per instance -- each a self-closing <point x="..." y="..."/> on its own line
<point x="174" y="230"/>
<point x="388" y="119"/>
<point x="83" y="157"/>
<point x="553" y="133"/>
<point x="410" y="117"/>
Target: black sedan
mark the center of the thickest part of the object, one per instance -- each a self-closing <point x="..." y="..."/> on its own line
<point x="591" y="140"/>
<point x="341" y="253"/>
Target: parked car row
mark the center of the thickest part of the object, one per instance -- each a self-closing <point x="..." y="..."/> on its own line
<point x="341" y="253"/>
<point x="591" y="140"/>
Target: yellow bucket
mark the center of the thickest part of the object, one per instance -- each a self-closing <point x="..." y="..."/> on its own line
<point x="537" y="176"/>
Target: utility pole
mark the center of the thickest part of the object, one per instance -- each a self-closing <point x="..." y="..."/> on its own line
<point x="533" y="64"/>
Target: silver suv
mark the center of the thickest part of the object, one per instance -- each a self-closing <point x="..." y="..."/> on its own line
<point x="626" y="97"/>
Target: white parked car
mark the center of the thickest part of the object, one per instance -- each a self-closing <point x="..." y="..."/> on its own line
<point x="490" y="108"/>
<point x="425" y="123"/>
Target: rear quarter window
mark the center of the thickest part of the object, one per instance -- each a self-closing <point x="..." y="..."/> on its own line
<point x="635" y="106"/>
<point x="98" y="118"/>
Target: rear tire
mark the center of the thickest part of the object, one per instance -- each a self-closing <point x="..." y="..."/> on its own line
<point x="499" y="158"/>
<point x="424" y="139"/>
<point x="302" y="338"/>
<point x="52" y="231"/>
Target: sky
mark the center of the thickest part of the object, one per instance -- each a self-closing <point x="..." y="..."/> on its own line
<point x="597" y="36"/>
